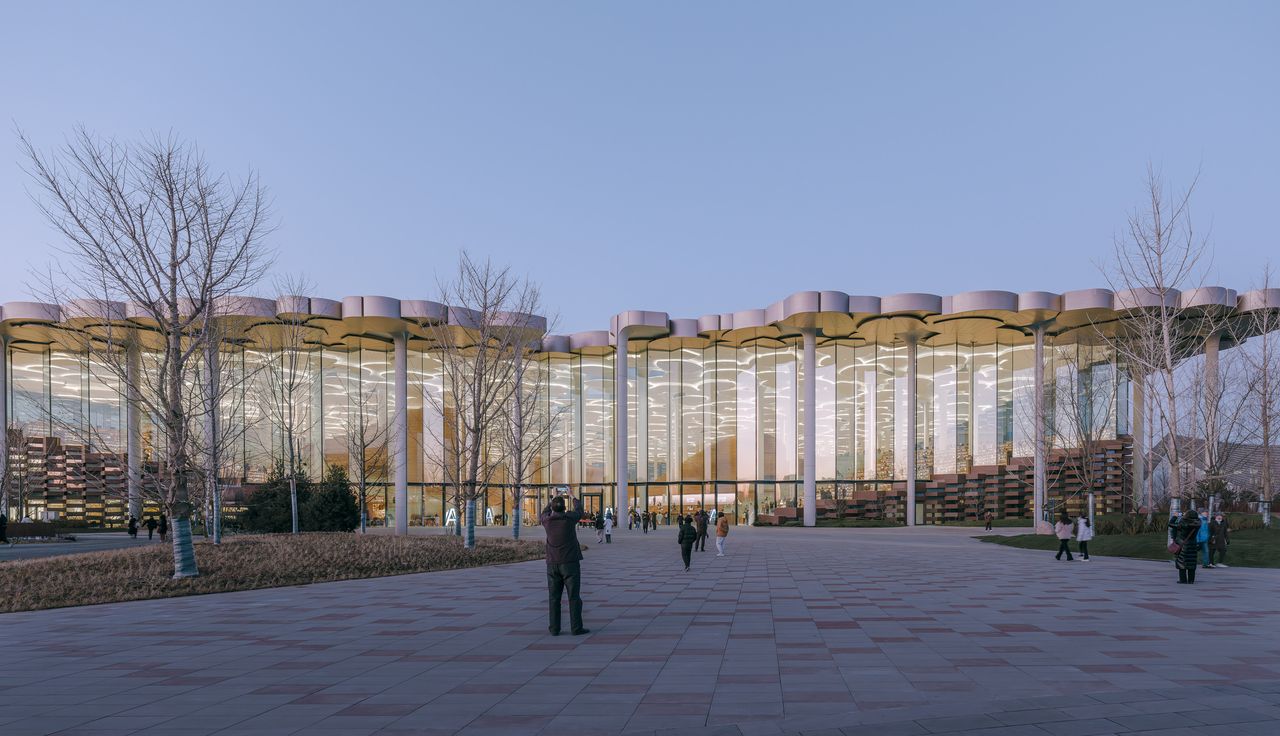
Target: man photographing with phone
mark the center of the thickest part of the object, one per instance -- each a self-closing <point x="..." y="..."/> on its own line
<point x="564" y="558"/>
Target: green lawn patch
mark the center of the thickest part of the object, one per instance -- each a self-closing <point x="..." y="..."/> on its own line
<point x="1249" y="547"/>
<point x="241" y="563"/>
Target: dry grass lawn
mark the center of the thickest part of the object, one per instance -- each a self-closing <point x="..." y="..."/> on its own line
<point x="240" y="563"/>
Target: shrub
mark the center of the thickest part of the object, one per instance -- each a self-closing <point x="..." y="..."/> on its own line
<point x="269" y="509"/>
<point x="331" y="506"/>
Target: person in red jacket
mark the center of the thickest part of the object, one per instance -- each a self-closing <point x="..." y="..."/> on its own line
<point x="564" y="563"/>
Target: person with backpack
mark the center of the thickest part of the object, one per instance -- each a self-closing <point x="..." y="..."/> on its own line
<point x="133" y="526"/>
<point x="608" y="528"/>
<point x="686" y="537"/>
<point x="598" y="522"/>
<point x="151" y="525"/>
<point x="1063" y="529"/>
<point x="1084" y="533"/>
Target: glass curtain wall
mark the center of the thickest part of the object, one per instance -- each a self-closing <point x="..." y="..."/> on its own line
<point x="710" y="425"/>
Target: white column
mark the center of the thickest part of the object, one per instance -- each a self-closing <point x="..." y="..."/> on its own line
<point x="911" y="430"/>
<point x="1139" y="428"/>
<point x="620" y="425"/>
<point x="1211" y="396"/>
<point x="810" y="426"/>
<point x="400" y="428"/>
<point x="1039" y="491"/>
<point x="133" y="418"/>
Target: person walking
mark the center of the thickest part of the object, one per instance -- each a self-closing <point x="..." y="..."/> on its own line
<point x="700" y="519"/>
<point x="608" y="528"/>
<point x="133" y="526"/>
<point x="685" y="538"/>
<point x="564" y="563"/>
<point x="1063" y="530"/>
<point x="722" y="531"/>
<point x="163" y="527"/>
<point x="1219" y="538"/>
<point x="598" y="523"/>
<point x="1184" y="532"/>
<point x="1202" y="538"/>
<point x="150" y="524"/>
<point x="990" y="516"/>
<point x="1084" y="532"/>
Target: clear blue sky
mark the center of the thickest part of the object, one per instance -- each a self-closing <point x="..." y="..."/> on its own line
<point x="690" y="157"/>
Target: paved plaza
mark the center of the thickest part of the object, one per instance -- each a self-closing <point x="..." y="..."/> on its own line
<point x="831" y="631"/>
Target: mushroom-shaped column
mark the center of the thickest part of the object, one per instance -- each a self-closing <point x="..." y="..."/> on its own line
<point x="810" y="425"/>
<point x="400" y="428"/>
<point x="620" y="422"/>
<point x="811" y="313"/>
<point x="626" y="326"/>
<point x="913" y="342"/>
<point x="1039" y="483"/>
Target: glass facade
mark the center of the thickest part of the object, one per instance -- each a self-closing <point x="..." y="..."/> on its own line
<point x="710" y="425"/>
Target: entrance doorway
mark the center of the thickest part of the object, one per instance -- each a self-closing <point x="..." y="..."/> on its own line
<point x="593" y="503"/>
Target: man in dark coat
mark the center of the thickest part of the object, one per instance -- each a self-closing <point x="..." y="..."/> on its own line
<point x="564" y="558"/>
<point x="685" y="538"/>
<point x="1219" y="538"/>
<point x="4" y="528"/>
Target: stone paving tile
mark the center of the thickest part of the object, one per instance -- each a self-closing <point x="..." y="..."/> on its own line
<point x="785" y="635"/>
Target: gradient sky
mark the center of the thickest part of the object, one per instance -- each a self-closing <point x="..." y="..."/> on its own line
<point x="689" y="157"/>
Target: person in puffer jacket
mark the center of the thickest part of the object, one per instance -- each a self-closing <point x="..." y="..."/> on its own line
<point x="1084" y="532"/>
<point x="1064" y="529"/>
<point x="1184" y="530"/>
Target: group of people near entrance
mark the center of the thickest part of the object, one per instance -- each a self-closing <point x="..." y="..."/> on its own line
<point x="645" y="520"/>
<point x="693" y="535"/>
<point x="564" y="552"/>
<point x="1195" y="539"/>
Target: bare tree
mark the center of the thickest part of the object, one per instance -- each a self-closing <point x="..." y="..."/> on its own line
<point x="13" y="464"/>
<point x="1263" y="360"/>
<point x="1084" y="411"/>
<point x="222" y="382"/>
<point x="148" y="224"/>
<point x="289" y="381"/>
<point x="368" y="441"/>
<point x="489" y="321"/>
<point x="1222" y="392"/>
<point x="528" y="421"/>
<point x="1159" y="255"/>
